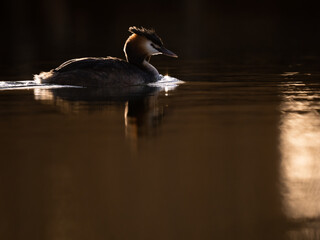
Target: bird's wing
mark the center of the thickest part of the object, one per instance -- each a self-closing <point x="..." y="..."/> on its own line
<point x="88" y="63"/>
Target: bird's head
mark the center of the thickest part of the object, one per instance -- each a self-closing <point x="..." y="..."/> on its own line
<point x="143" y="43"/>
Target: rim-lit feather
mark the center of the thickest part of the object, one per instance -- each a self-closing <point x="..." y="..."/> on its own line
<point x="147" y="33"/>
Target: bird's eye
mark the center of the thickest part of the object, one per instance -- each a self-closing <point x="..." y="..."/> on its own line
<point x="154" y="46"/>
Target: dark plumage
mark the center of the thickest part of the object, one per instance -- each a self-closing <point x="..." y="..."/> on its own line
<point x="148" y="33"/>
<point x="110" y="71"/>
<point x="101" y="72"/>
<point x="93" y="63"/>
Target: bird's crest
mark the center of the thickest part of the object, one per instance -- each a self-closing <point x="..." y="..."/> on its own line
<point x="147" y="33"/>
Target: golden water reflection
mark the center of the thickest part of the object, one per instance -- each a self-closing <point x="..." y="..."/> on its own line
<point x="142" y="113"/>
<point x="300" y="150"/>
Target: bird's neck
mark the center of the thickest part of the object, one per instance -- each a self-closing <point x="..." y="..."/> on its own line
<point x="136" y="54"/>
<point x="143" y="63"/>
<point x="150" y="68"/>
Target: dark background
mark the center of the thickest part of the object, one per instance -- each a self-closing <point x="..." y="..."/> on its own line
<point x="246" y="30"/>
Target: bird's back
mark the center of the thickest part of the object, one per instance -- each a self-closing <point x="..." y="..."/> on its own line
<point x="97" y="72"/>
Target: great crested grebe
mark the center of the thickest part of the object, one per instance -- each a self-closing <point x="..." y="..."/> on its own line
<point x="110" y="71"/>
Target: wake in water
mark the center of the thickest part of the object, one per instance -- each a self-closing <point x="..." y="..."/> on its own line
<point x="7" y="85"/>
<point x="29" y="84"/>
<point x="165" y="83"/>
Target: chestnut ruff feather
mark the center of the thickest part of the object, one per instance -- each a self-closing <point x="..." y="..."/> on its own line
<point x="148" y="33"/>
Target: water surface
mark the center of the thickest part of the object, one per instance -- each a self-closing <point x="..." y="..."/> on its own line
<point x="233" y="153"/>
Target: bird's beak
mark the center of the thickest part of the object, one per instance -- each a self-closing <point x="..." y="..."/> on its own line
<point x="167" y="52"/>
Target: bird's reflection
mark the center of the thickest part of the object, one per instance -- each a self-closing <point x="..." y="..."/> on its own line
<point x="300" y="150"/>
<point x="142" y="111"/>
<point x="142" y="116"/>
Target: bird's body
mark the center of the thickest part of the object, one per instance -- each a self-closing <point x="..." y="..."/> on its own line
<point x="97" y="72"/>
<point x="110" y="71"/>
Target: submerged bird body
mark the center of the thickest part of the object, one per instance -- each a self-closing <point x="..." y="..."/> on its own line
<point x="110" y="71"/>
